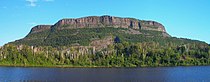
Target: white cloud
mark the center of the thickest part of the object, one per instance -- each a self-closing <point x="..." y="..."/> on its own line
<point x="32" y="3"/>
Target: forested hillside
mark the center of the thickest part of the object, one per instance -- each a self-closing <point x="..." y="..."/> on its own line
<point x="116" y="42"/>
<point x="120" y="54"/>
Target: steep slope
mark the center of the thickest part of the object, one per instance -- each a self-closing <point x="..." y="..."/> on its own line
<point x="108" y="21"/>
<point x="82" y="31"/>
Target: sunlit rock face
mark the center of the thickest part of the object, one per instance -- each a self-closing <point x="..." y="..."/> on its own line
<point x="108" y="21"/>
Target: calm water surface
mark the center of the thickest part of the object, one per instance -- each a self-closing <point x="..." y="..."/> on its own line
<point x="159" y="74"/>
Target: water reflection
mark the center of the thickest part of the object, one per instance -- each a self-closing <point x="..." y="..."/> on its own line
<point x="160" y="74"/>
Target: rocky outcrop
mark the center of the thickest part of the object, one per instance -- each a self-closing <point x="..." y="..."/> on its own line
<point x="108" y="21"/>
<point x="40" y="28"/>
<point x="103" y="43"/>
<point x="101" y="22"/>
<point x="152" y="25"/>
<point x="98" y="21"/>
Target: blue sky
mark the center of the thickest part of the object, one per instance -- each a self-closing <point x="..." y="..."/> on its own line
<point x="181" y="18"/>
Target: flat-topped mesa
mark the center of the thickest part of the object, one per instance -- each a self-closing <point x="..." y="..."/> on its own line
<point x="108" y="21"/>
<point x="40" y="28"/>
<point x="98" y="21"/>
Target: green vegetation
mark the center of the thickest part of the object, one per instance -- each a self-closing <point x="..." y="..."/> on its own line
<point x="150" y="48"/>
<point x="123" y="54"/>
<point x="83" y="37"/>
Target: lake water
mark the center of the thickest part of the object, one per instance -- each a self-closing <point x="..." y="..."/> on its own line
<point x="159" y="74"/>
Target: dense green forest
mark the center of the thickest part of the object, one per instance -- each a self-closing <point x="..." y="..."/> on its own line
<point x="124" y="55"/>
<point x="150" y="48"/>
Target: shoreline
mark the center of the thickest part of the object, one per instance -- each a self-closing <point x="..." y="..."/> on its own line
<point x="70" y="66"/>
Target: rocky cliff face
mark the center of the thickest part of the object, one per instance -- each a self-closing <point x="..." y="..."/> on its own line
<point x="152" y="25"/>
<point x="108" y="21"/>
<point x="40" y="28"/>
<point x="100" y="22"/>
